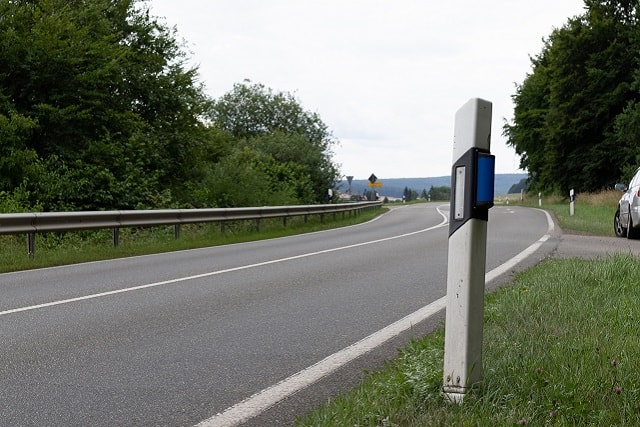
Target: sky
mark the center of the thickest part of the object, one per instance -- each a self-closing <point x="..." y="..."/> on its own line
<point x="385" y="76"/>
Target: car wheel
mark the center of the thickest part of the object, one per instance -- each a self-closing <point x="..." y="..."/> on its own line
<point x="632" y="233"/>
<point x="618" y="228"/>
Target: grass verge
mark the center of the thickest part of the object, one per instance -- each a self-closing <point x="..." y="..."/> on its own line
<point x="560" y="348"/>
<point x="593" y="212"/>
<point x="54" y="249"/>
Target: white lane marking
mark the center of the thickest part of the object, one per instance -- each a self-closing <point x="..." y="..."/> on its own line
<point x="263" y="400"/>
<point x="215" y="273"/>
<point x="268" y="397"/>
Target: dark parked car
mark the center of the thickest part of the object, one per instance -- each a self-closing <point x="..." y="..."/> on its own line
<point x="627" y="219"/>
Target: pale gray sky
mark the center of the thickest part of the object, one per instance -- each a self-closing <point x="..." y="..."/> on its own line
<point x="386" y="76"/>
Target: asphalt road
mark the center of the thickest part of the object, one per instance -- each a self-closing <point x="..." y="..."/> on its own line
<point x="174" y="339"/>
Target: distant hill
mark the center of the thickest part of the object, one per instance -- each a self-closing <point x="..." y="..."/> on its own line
<point x="394" y="187"/>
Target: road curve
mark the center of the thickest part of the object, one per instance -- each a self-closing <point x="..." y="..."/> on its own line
<point x="174" y="339"/>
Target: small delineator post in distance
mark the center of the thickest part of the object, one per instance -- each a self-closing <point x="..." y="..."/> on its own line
<point x="572" y="200"/>
<point x="472" y="184"/>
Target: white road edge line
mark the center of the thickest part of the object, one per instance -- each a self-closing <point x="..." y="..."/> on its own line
<point x="213" y="273"/>
<point x="263" y="400"/>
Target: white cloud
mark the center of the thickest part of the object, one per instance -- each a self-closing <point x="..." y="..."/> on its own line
<point x="386" y="77"/>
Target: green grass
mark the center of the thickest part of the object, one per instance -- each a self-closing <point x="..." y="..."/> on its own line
<point x="54" y="249"/>
<point x="593" y="212"/>
<point x="587" y="219"/>
<point x="560" y="348"/>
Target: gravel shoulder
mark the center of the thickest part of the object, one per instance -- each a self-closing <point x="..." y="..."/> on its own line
<point x="593" y="247"/>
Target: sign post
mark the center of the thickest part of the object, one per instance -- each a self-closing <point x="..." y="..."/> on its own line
<point x="472" y="191"/>
<point x="373" y="182"/>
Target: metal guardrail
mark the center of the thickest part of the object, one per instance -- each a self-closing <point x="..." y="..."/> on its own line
<point x="44" y="222"/>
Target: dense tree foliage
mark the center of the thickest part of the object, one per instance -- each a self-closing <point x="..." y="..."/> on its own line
<point x="518" y="187"/>
<point x="291" y="146"/>
<point x="409" y="194"/>
<point x="99" y="110"/>
<point x="440" y="193"/>
<point x="576" y="122"/>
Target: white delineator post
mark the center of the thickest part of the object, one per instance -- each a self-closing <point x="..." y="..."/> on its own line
<point x="472" y="179"/>
<point x="572" y="199"/>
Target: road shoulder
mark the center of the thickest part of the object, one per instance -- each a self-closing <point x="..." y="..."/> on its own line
<point x="594" y="247"/>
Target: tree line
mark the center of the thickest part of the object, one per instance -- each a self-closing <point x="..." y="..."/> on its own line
<point x="434" y="193"/>
<point x="576" y="120"/>
<point x="99" y="109"/>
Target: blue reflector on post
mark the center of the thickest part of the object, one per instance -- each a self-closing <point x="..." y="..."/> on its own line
<point x="486" y="177"/>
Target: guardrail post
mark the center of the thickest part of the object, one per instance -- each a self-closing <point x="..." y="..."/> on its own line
<point x="176" y="231"/>
<point x="284" y="221"/>
<point x="258" y="224"/>
<point x="116" y="236"/>
<point x="472" y="184"/>
<point x="221" y="226"/>
<point x="31" y="244"/>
